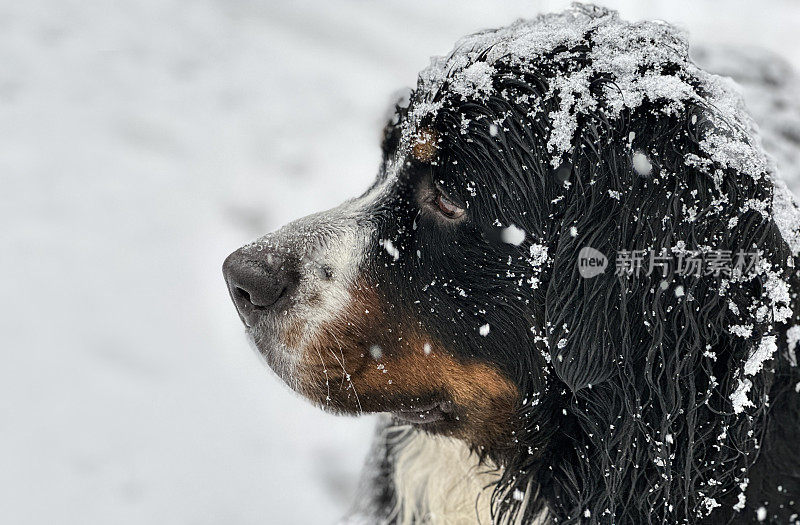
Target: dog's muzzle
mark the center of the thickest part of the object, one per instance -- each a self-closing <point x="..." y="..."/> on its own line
<point x="300" y="274"/>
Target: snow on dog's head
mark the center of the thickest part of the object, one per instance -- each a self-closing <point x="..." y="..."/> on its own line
<point x="449" y="294"/>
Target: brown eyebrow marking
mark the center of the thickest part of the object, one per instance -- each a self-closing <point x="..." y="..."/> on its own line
<point x="424" y="148"/>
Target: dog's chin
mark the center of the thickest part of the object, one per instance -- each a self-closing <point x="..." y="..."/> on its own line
<point x="432" y="416"/>
<point x="430" y="413"/>
<point x="284" y="362"/>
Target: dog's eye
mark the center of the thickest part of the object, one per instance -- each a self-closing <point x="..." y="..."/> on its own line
<point x="448" y="208"/>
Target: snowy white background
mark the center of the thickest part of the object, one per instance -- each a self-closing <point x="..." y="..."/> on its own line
<point x="140" y="142"/>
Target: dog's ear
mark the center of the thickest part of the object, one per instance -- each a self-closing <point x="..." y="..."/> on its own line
<point x="670" y="370"/>
<point x="616" y="295"/>
<point x="583" y="300"/>
<point x="395" y="114"/>
<point x="614" y="204"/>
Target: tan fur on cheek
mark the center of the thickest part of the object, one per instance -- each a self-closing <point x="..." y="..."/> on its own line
<point x="374" y="358"/>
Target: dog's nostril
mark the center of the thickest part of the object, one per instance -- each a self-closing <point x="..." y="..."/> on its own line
<point x="243" y="294"/>
<point x="258" y="282"/>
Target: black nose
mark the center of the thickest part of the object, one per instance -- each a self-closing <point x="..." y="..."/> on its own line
<point x="259" y="282"/>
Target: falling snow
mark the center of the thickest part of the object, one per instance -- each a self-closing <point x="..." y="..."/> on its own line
<point x="390" y="249"/>
<point x="513" y="235"/>
<point x="641" y="164"/>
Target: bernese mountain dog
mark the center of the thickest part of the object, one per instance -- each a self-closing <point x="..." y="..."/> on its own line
<point x="571" y="291"/>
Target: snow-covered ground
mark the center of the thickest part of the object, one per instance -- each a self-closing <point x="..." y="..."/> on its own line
<point x="140" y="142"/>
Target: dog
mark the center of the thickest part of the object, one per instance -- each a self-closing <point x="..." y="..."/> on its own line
<point x="571" y="291"/>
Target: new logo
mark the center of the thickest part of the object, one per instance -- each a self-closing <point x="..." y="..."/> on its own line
<point x="591" y="262"/>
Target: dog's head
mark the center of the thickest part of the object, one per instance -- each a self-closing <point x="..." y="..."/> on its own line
<point x="452" y="293"/>
<point x="403" y="300"/>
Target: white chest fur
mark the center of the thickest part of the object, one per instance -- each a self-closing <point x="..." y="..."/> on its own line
<point x="439" y="482"/>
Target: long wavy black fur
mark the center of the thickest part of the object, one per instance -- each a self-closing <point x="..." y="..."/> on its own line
<point x="629" y="419"/>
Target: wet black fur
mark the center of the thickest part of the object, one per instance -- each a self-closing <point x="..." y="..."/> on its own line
<point x="591" y="435"/>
